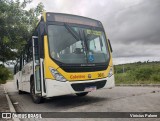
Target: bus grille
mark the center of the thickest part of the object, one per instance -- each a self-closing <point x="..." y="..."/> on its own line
<point x="83" y="69"/>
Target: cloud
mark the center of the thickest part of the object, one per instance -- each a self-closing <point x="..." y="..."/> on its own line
<point x="131" y="25"/>
<point x="139" y="24"/>
<point x="135" y="50"/>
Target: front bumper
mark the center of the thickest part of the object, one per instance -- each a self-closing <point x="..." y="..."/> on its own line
<point x="57" y="88"/>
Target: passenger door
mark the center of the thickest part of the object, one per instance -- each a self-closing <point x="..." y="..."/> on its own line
<point x="36" y="65"/>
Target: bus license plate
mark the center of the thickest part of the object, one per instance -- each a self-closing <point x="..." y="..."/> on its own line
<point x="90" y="89"/>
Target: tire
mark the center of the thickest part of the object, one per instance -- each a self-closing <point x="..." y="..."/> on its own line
<point x="82" y="94"/>
<point x="36" y="99"/>
<point x="19" y="91"/>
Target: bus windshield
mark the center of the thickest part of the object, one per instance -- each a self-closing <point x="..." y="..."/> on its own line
<point x="77" y="45"/>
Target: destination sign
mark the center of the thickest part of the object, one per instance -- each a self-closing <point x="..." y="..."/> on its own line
<point x="67" y="18"/>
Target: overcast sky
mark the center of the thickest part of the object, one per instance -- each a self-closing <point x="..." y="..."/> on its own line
<point x="133" y="26"/>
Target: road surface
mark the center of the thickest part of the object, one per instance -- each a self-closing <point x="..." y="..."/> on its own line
<point x="118" y="99"/>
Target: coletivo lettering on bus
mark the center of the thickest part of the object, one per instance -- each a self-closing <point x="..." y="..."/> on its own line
<point x="77" y="76"/>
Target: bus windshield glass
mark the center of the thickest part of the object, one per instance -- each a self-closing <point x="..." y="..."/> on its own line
<point x="77" y="45"/>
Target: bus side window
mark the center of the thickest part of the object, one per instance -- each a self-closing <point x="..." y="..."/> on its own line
<point x="24" y="59"/>
<point x="15" y="69"/>
<point x="29" y="54"/>
<point x="20" y="64"/>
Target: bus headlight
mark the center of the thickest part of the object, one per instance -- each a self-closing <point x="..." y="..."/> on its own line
<point x="57" y="75"/>
<point x="110" y="72"/>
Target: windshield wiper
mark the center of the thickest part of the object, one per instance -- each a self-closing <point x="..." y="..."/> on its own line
<point x="85" y="40"/>
<point x="74" y="34"/>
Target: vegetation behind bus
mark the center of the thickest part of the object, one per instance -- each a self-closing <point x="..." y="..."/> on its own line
<point x="138" y="73"/>
<point x="4" y="74"/>
<point x="16" y="27"/>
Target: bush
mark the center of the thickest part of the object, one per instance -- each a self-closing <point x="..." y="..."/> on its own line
<point x="4" y="74"/>
<point x="155" y="77"/>
<point x="124" y="78"/>
<point x="139" y="73"/>
<point x="143" y="73"/>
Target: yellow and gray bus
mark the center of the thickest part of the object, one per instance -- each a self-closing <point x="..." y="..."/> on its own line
<point x="67" y="54"/>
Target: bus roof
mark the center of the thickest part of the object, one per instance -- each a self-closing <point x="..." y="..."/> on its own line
<point x="69" y="18"/>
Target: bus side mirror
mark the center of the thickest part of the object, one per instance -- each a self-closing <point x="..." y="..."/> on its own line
<point x="110" y="45"/>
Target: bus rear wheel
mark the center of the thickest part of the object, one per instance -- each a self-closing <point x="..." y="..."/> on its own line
<point x="19" y="91"/>
<point x="82" y="94"/>
<point x="36" y="99"/>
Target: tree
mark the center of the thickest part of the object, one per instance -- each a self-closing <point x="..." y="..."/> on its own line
<point x="16" y="26"/>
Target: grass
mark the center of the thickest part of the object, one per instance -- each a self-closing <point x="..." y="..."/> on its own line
<point x="138" y="73"/>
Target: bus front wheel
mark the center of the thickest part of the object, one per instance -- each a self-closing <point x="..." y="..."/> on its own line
<point x="82" y="94"/>
<point x="36" y="99"/>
